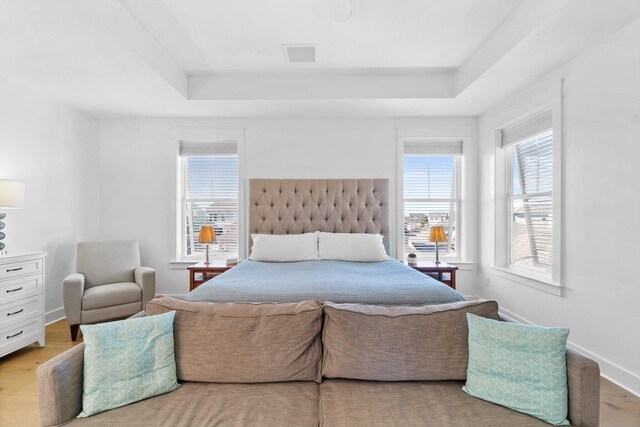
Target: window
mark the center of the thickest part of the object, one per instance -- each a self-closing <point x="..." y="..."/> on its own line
<point x="209" y="194"/>
<point x="528" y="191"/>
<point x="529" y="153"/>
<point x="431" y="187"/>
<point x="531" y="202"/>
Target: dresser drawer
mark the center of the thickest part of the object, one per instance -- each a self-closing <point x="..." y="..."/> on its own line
<point x="18" y="335"/>
<point x="19" y="288"/>
<point x="22" y="268"/>
<point x="17" y="311"/>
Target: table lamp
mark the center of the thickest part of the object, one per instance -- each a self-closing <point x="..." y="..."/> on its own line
<point x="207" y="236"/>
<point x="11" y="197"/>
<point x="437" y="235"/>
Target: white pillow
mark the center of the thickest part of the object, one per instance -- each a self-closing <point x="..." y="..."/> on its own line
<point x="284" y="247"/>
<point x="352" y="247"/>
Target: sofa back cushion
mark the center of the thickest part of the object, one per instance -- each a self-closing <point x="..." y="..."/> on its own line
<point x="399" y="343"/>
<point x="243" y="342"/>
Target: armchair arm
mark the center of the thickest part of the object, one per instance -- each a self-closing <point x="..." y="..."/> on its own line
<point x="60" y="382"/>
<point x="583" y="375"/>
<point x="72" y="291"/>
<point x="146" y="278"/>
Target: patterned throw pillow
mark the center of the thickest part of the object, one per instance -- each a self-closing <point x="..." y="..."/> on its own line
<point x="519" y="366"/>
<point x="127" y="361"/>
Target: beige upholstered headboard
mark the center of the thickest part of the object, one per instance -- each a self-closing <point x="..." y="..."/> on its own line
<point x="296" y="206"/>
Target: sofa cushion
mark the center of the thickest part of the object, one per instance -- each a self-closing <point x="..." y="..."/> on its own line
<point x="522" y="367"/>
<point x="408" y="404"/>
<point x="110" y="295"/>
<point x="127" y="361"/>
<point x="208" y="404"/>
<point x="399" y="343"/>
<point x="121" y="311"/>
<point x="244" y="343"/>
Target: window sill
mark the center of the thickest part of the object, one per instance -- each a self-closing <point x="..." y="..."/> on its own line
<point x="534" y="280"/>
<point x="182" y="265"/>
<point x="178" y="264"/>
<point x="462" y="265"/>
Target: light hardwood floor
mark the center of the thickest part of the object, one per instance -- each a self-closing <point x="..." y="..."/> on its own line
<point x="19" y="394"/>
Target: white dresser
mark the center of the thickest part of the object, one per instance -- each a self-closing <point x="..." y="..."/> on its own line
<point x="21" y="300"/>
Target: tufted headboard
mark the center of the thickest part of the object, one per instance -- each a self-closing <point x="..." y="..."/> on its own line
<point x="296" y="206"/>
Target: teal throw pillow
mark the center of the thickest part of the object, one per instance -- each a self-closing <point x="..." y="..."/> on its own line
<point x="519" y="366"/>
<point x="127" y="361"/>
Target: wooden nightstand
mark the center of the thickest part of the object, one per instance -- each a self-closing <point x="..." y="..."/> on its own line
<point x="200" y="272"/>
<point x="443" y="272"/>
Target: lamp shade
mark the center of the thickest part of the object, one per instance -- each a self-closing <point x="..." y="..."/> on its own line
<point x="207" y="234"/>
<point x="437" y="234"/>
<point x="11" y="194"/>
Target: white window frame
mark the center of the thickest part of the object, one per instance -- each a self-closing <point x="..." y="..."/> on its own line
<point x="547" y="281"/>
<point x="206" y="135"/>
<point x="434" y="134"/>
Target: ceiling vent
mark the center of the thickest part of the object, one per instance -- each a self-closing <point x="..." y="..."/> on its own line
<point x="299" y="52"/>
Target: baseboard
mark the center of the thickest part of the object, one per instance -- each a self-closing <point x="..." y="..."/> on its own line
<point x="54" y="315"/>
<point x="506" y="314"/>
<point x="612" y="372"/>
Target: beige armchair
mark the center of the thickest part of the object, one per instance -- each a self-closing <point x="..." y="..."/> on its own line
<point x="109" y="284"/>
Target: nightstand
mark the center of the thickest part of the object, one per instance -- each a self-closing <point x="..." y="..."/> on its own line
<point x="443" y="272"/>
<point x="201" y="272"/>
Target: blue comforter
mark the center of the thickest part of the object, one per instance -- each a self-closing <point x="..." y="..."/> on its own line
<point x="388" y="283"/>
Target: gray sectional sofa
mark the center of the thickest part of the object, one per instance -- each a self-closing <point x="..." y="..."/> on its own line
<point x="310" y="364"/>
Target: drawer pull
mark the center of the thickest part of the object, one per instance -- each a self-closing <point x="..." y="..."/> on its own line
<point x="9" y="270"/>
<point x="14" y="335"/>
<point x="14" y="290"/>
<point x="15" y="312"/>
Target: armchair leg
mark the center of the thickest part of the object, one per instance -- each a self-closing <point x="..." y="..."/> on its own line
<point x="74" y="331"/>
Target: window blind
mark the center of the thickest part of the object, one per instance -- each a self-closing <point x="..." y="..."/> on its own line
<point x="532" y="202"/>
<point x="526" y="129"/>
<point x="211" y="196"/>
<point x="221" y="148"/>
<point x="433" y="147"/>
<point x="430" y="197"/>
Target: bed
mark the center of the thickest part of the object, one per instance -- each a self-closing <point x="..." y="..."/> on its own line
<point x="387" y="282"/>
<point x="334" y="206"/>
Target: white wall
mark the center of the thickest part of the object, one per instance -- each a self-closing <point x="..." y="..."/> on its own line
<point x="53" y="149"/>
<point x="138" y="173"/>
<point x="601" y="201"/>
